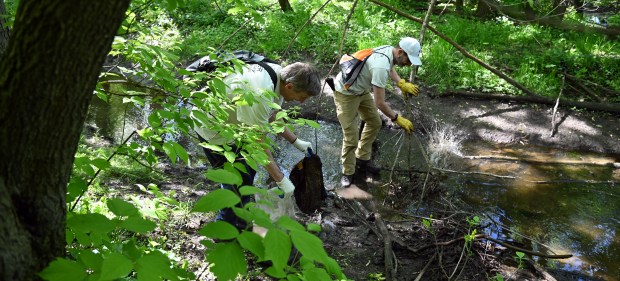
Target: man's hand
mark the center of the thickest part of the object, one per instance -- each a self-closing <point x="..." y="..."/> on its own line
<point x="408" y="88"/>
<point x="286" y="185"/>
<point x="303" y="146"/>
<point x="404" y="123"/>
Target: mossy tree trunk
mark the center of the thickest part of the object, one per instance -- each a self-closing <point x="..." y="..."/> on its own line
<point x="285" y="5"/>
<point x="4" y="30"/>
<point x="47" y="76"/>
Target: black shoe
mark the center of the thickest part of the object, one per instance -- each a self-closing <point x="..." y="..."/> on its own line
<point x="346" y="181"/>
<point x="365" y="166"/>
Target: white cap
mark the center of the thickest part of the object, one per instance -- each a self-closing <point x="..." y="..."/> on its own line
<point x="411" y="46"/>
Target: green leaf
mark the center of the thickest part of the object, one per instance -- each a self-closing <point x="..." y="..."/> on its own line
<point x="121" y="207"/>
<point x="316" y="274"/>
<point x="63" y="270"/>
<point x="90" y="259"/>
<point x="253" y="243"/>
<point x="154" y="266"/>
<point x="100" y="163"/>
<point x="290" y="224"/>
<point x="90" y="223"/>
<point x="313" y="227"/>
<point x="249" y="190"/>
<point x="138" y="225"/>
<point x="277" y="248"/>
<point x="211" y="147"/>
<point x="308" y="245"/>
<point x="224" y="176"/>
<point x="181" y="152"/>
<point x="169" y="150"/>
<point x="219" y="230"/>
<point x="230" y="156"/>
<point x="312" y="124"/>
<point x="216" y="200"/>
<point x="115" y="266"/>
<point x="281" y="114"/>
<point x="228" y="261"/>
<point x="154" y="120"/>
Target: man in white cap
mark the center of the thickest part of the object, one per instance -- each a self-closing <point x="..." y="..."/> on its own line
<point x="355" y="98"/>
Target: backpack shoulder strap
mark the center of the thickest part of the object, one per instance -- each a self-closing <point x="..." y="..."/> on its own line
<point x="270" y="71"/>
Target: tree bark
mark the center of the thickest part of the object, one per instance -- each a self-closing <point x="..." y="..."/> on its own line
<point x="285" y="5"/>
<point x="4" y="30"/>
<point x="48" y="73"/>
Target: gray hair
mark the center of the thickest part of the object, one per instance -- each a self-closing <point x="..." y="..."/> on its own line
<point x="303" y="76"/>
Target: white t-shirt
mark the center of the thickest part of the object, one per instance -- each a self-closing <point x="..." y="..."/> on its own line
<point x="375" y="72"/>
<point x="257" y="80"/>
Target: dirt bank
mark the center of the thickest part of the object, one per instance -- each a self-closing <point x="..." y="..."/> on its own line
<point x="498" y="122"/>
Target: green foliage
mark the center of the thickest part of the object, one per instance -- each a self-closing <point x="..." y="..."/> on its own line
<point x="520" y="257"/>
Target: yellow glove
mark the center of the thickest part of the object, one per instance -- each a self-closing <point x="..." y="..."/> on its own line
<point x="404" y="123"/>
<point x="408" y="88"/>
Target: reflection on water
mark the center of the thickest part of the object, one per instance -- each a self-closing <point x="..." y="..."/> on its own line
<point x="564" y="208"/>
<point x="569" y="208"/>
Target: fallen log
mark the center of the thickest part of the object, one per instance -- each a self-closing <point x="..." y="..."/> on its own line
<point x="594" y="106"/>
<point x="538" y="161"/>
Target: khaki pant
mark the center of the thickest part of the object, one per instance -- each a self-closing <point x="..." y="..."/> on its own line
<point x="347" y="108"/>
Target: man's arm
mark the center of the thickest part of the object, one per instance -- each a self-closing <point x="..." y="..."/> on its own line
<point x="379" y="94"/>
<point x="394" y="75"/>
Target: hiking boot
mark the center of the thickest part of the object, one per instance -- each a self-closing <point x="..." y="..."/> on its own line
<point x="365" y="166"/>
<point x="346" y="180"/>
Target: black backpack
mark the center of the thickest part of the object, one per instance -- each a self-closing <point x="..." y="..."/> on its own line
<point x="206" y="64"/>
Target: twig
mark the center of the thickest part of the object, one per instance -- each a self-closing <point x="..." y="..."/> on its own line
<point x="555" y="108"/>
<point x="233" y="34"/>
<point x="414" y="68"/>
<point x="304" y="25"/>
<point x="425" y="267"/>
<point x="536" y="161"/>
<point x="77" y="200"/>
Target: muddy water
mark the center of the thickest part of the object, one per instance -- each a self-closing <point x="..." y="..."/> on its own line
<point x="558" y="208"/>
<point x="551" y="208"/>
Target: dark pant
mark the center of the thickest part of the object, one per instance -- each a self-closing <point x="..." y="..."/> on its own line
<point x="217" y="161"/>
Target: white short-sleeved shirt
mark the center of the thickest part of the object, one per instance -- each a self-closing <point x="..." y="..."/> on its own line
<point x="375" y="72"/>
<point x="256" y="79"/>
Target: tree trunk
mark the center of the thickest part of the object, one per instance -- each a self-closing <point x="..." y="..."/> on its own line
<point x="47" y="77"/>
<point x="285" y="5"/>
<point x="483" y="10"/>
<point x="4" y="30"/>
<point x="559" y="9"/>
<point x="459" y="6"/>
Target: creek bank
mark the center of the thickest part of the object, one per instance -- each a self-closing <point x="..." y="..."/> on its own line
<point x="502" y="123"/>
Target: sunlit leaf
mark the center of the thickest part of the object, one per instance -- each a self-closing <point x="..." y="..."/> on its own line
<point x="224" y="176"/>
<point x="121" y="207"/>
<point x="219" y="230"/>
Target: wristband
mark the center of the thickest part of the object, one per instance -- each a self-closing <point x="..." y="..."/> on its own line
<point x="395" y="117"/>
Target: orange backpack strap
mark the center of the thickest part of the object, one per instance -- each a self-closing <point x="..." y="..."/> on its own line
<point x="351" y="65"/>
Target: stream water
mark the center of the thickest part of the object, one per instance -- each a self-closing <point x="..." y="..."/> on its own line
<point x="550" y="208"/>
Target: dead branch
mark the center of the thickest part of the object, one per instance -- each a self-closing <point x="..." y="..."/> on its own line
<point x="596" y="106"/>
<point x="555" y="109"/>
<point x="414" y="68"/>
<point x="459" y="47"/>
<point x="303" y="26"/>
<point x="537" y="161"/>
